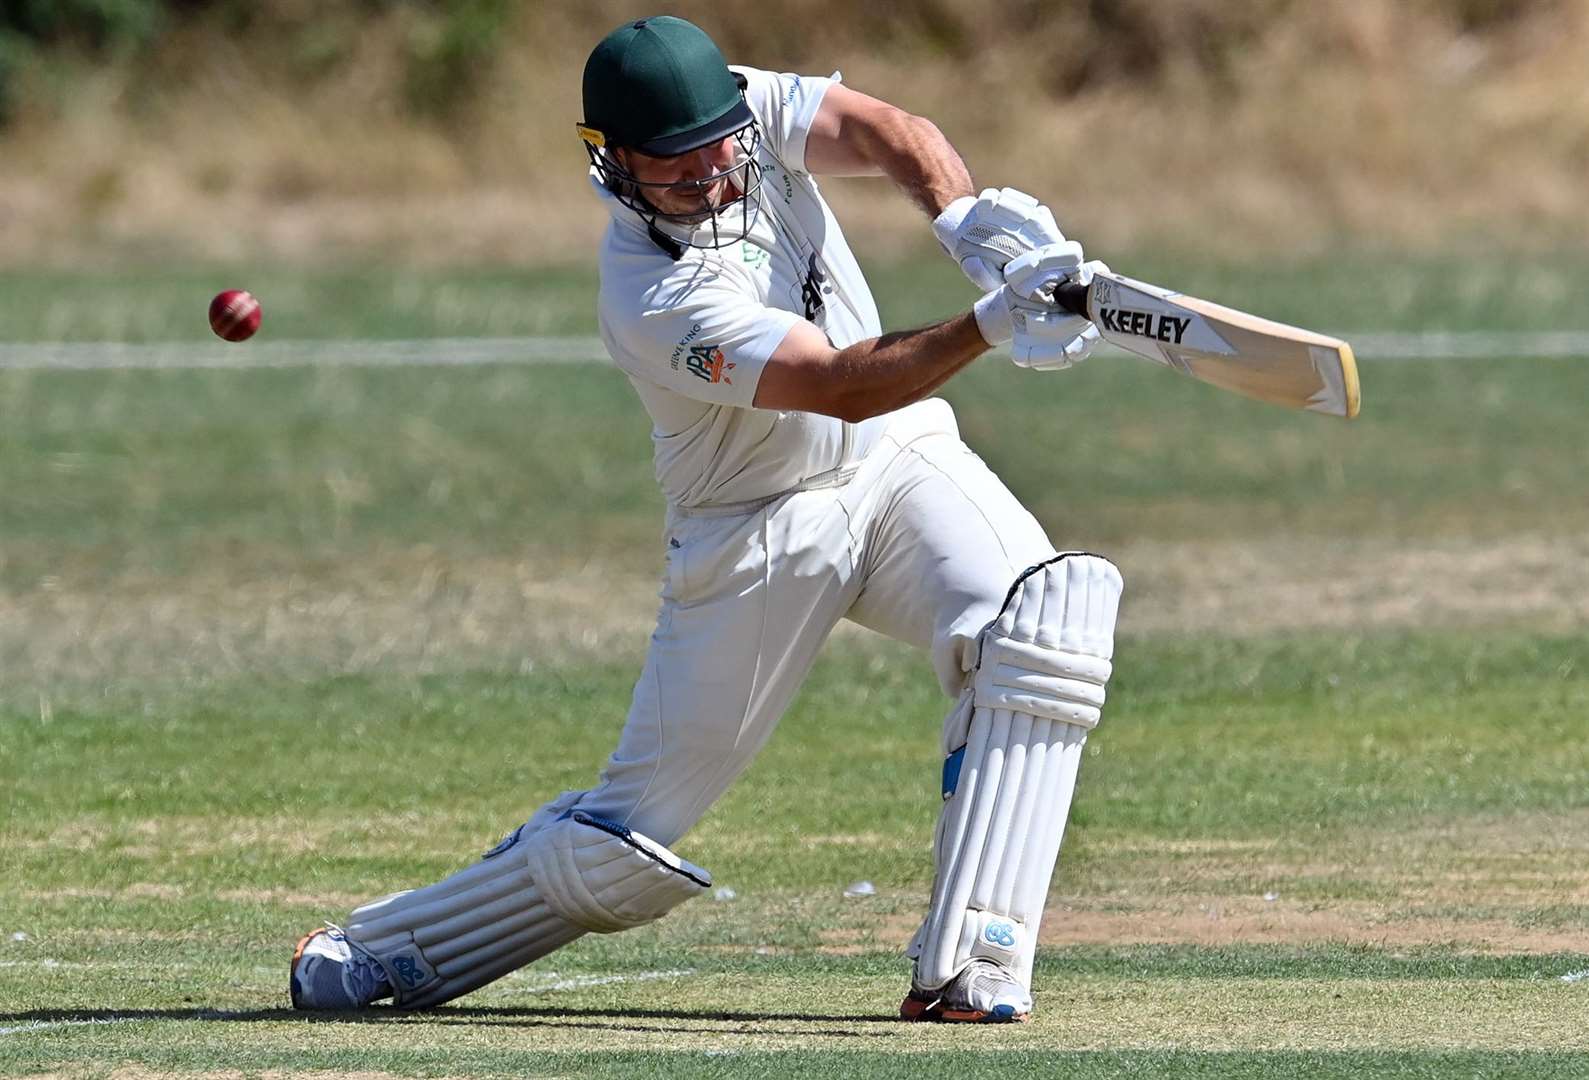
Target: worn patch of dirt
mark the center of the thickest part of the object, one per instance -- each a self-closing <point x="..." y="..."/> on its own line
<point x="141" y="890"/>
<point x="140" y="1072"/>
<point x="1472" y="862"/>
<point x="1479" y="885"/>
<point x="1224" y="921"/>
<point x="162" y="837"/>
<point x="136" y="891"/>
<point x="1219" y="921"/>
<point x="410" y="611"/>
<point x="1280" y="584"/>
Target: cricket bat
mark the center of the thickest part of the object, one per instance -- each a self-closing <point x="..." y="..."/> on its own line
<point x="1235" y="351"/>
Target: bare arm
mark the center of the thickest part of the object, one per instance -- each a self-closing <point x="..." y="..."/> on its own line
<point x="857" y="135"/>
<point x="869" y="378"/>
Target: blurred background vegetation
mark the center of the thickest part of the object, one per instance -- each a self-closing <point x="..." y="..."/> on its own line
<point x="441" y="132"/>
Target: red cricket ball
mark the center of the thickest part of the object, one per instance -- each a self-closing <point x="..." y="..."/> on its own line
<point x="234" y="315"/>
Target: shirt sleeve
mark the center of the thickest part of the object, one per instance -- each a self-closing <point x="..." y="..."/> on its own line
<point x="704" y="341"/>
<point x="785" y="105"/>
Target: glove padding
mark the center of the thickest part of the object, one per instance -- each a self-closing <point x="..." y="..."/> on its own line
<point x="1041" y="336"/>
<point x="982" y="234"/>
<point x="1035" y="275"/>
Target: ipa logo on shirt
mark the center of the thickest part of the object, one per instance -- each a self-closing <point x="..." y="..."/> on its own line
<point x="709" y="363"/>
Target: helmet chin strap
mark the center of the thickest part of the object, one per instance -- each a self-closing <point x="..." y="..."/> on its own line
<point x="670" y="246"/>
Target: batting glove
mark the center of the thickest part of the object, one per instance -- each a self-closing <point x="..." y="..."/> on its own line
<point x="983" y="233"/>
<point x="1041" y="336"/>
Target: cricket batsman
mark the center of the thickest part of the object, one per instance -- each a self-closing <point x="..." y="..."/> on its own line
<point x="810" y="477"/>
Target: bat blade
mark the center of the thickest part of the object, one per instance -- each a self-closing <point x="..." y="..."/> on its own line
<point x="1242" y="353"/>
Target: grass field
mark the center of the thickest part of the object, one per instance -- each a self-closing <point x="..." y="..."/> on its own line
<point x="275" y="641"/>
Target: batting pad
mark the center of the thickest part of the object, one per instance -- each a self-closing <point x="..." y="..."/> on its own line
<point x="604" y="877"/>
<point x="531" y="894"/>
<point x="1013" y="746"/>
<point x="459" y="934"/>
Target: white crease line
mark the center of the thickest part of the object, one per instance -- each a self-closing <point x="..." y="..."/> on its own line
<point x="45" y="1025"/>
<point x="581" y="982"/>
<point x="424" y="352"/>
<point x="468" y="352"/>
<point x="49" y="964"/>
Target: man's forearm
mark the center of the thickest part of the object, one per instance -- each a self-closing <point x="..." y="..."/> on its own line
<point x="917" y="157"/>
<point x="889" y="372"/>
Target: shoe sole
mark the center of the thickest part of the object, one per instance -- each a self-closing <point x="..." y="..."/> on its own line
<point x="915" y="1009"/>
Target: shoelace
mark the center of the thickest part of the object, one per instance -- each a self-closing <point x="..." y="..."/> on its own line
<point x="984" y="977"/>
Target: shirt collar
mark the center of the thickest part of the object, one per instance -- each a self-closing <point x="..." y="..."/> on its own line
<point x="620" y="214"/>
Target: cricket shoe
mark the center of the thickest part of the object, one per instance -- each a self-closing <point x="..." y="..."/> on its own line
<point x="984" y="993"/>
<point x="330" y="972"/>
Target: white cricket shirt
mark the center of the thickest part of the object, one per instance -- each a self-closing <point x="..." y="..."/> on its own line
<point x="694" y="334"/>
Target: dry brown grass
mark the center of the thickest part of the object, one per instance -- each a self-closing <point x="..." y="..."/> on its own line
<point x="141" y="1072"/>
<point x="415" y="612"/>
<point x="1243" y="128"/>
<point x="1475" y="885"/>
<point x="1217" y="921"/>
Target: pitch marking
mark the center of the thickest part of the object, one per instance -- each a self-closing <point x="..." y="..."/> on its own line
<point x="581" y="982"/>
<point x="45" y="1025"/>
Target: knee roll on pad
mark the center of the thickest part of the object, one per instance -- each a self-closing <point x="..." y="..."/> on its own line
<point x="1039" y="681"/>
<point x="498" y="915"/>
<point x="605" y="877"/>
<point x="1012" y="749"/>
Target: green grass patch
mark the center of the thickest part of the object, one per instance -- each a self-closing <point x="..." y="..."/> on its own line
<point x="1340" y="292"/>
<point x="108" y="473"/>
<point x="1289" y="739"/>
<point x="1354" y="851"/>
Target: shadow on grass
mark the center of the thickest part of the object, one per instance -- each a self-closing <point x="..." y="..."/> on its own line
<point x="642" y="1020"/>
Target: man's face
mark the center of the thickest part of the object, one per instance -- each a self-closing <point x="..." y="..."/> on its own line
<point x="681" y="175"/>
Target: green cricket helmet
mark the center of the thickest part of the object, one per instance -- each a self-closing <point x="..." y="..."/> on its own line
<point x="660" y="86"/>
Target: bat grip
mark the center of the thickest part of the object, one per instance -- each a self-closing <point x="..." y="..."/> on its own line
<point x="1072" y="296"/>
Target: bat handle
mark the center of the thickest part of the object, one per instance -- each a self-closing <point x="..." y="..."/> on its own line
<point x="1072" y="296"/>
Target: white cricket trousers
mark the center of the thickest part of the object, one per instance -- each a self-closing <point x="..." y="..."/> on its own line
<point x="922" y="545"/>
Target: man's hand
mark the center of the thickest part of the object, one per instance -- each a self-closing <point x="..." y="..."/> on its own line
<point x="1041" y="336"/>
<point x="1035" y="275"/>
<point x="1038" y="273"/>
<point x="1022" y="312"/>
<point x="982" y="234"/>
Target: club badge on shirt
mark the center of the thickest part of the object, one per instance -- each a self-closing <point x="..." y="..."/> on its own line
<point x="811" y="289"/>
